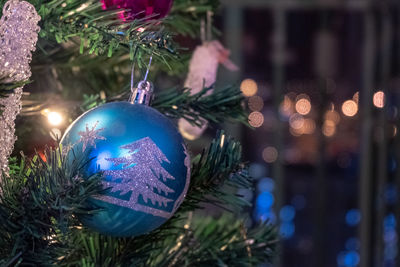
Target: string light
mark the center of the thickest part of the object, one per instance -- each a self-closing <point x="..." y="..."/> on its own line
<point x="379" y="99"/>
<point x="349" y="108"/>
<point x="248" y="87"/>
<point x="54" y="118"/>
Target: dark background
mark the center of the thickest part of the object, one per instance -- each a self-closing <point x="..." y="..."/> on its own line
<point x="331" y="191"/>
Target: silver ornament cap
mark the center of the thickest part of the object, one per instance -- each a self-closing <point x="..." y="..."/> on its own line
<point x="142" y="94"/>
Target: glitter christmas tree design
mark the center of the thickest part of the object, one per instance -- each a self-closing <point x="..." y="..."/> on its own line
<point x="142" y="176"/>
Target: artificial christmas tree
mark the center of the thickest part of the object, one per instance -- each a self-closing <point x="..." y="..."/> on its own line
<point x="85" y="53"/>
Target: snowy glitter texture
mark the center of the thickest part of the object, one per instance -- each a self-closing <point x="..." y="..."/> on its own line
<point x="141" y="175"/>
<point x="89" y="137"/>
<point x="18" y="36"/>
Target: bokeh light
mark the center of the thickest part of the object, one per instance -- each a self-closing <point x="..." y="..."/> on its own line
<point x="256" y="103"/>
<point x="256" y="119"/>
<point x="353" y="217"/>
<point x="379" y="99"/>
<point x="296" y="121"/>
<point x="303" y="106"/>
<point x="332" y="116"/>
<point x="265" y="200"/>
<point x="308" y="126"/>
<point x="349" y="108"/>
<point x="54" y="118"/>
<point x="287" y="213"/>
<point x="249" y="87"/>
<point x="329" y="128"/>
<point x="270" y="154"/>
<point x="266" y="184"/>
<point x="286" y="107"/>
<point x="287" y="230"/>
<point x="356" y="97"/>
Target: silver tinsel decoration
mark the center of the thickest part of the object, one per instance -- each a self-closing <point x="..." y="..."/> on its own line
<point x="18" y="36"/>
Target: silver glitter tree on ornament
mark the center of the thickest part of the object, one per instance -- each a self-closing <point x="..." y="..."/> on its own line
<point x="141" y="175"/>
<point x="18" y="36"/>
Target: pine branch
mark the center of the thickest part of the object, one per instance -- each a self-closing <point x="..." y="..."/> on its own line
<point x="218" y="166"/>
<point x="220" y="106"/>
<point x="219" y="242"/>
<point x="39" y="203"/>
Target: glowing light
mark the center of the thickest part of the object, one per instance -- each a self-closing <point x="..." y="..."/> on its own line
<point x="309" y="126"/>
<point x="329" y="128"/>
<point x="286" y="107"/>
<point x="265" y="200"/>
<point x="270" y="154"/>
<point x="248" y="87"/>
<point x="266" y="185"/>
<point x="296" y="121"/>
<point x="256" y="119"/>
<point x="287" y="230"/>
<point x="356" y="97"/>
<point x="349" y="108"/>
<point x="303" y="106"/>
<point x="379" y="99"/>
<point x="394" y="130"/>
<point x="332" y="116"/>
<point x="54" y="118"/>
<point x="287" y="213"/>
<point x="296" y="132"/>
<point x="256" y="103"/>
<point x="353" y="217"/>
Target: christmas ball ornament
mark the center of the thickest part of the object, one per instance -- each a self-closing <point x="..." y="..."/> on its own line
<point x="144" y="160"/>
<point x="139" y="9"/>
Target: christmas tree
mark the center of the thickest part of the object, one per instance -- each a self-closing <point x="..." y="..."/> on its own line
<point x="83" y="58"/>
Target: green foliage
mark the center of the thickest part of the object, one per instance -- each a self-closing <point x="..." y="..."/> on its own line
<point x="42" y="200"/>
<point x="222" y="105"/>
<point x="39" y="204"/>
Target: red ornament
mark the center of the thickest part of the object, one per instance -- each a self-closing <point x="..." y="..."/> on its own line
<point x="139" y="9"/>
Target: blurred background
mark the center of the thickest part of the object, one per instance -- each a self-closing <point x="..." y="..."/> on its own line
<point x="322" y="86"/>
<point x="322" y="81"/>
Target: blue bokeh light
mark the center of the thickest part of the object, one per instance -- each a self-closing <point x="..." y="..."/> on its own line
<point x="266" y="217"/>
<point x="287" y="230"/>
<point x="352" y="243"/>
<point x="287" y="213"/>
<point x="353" y="217"/>
<point x="351" y="258"/>
<point x="265" y="200"/>
<point x="389" y="222"/>
<point x="266" y="184"/>
<point x="391" y="194"/>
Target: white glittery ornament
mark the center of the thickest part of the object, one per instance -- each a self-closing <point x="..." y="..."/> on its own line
<point x="18" y="36"/>
<point x="203" y="70"/>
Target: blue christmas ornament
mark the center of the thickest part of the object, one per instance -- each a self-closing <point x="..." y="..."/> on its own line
<point x="144" y="160"/>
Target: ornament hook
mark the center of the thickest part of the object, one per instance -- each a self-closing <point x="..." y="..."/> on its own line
<point x="143" y="92"/>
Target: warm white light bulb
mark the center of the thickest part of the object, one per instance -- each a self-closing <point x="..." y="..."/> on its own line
<point x="54" y="118"/>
